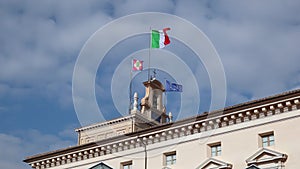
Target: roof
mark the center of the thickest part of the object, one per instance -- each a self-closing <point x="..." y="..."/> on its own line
<point x="155" y="84"/>
<point x="203" y="116"/>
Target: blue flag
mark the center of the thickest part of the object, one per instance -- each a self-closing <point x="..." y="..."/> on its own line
<point x="173" y="87"/>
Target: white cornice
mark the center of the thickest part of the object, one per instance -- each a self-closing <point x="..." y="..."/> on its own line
<point x="173" y="132"/>
<point x="140" y="117"/>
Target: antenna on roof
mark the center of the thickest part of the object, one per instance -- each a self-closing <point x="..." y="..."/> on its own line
<point x="154" y="75"/>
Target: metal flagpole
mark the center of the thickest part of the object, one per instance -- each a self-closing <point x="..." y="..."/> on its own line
<point x="130" y="87"/>
<point x="150" y="42"/>
<point x="165" y="98"/>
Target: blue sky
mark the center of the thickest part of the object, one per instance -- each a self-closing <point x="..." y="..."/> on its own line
<point x="257" y="41"/>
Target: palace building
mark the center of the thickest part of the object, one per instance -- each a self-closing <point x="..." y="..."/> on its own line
<point x="260" y="134"/>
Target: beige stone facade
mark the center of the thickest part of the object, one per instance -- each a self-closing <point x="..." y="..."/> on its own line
<point x="259" y="134"/>
<point x="152" y="114"/>
<point x="113" y="128"/>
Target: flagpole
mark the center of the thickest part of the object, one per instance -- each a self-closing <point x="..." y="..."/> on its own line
<point x="130" y="87"/>
<point x="150" y="42"/>
<point x="165" y="94"/>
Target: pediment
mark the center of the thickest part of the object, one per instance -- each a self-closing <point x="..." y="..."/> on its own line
<point x="101" y="166"/>
<point x="252" y="167"/>
<point x="212" y="163"/>
<point x="265" y="155"/>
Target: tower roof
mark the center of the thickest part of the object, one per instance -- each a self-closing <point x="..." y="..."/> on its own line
<point x="155" y="84"/>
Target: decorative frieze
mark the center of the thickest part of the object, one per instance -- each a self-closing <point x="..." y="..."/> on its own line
<point x="173" y="132"/>
<point x="225" y="119"/>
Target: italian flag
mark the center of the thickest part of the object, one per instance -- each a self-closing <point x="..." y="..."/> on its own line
<point x="160" y="38"/>
<point x="137" y="65"/>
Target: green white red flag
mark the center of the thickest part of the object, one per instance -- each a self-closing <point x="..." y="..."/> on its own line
<point x="160" y="38"/>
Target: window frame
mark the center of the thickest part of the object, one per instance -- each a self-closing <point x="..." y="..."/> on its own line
<point x="214" y="149"/>
<point x="173" y="159"/>
<point x="267" y="139"/>
<point x="126" y="164"/>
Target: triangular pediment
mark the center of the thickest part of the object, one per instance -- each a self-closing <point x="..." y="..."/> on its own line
<point x="212" y="163"/>
<point x="265" y="155"/>
<point x="101" y="166"/>
<point x="252" y="167"/>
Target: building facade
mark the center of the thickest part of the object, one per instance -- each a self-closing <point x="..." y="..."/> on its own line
<point x="260" y="134"/>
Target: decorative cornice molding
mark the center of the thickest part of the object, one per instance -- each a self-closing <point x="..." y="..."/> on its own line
<point x="162" y="133"/>
<point x="101" y="124"/>
<point x="140" y="117"/>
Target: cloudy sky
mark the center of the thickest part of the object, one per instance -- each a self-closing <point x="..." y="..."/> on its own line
<point x="257" y="42"/>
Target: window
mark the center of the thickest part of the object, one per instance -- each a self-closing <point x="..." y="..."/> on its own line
<point x="215" y="149"/>
<point x="155" y="101"/>
<point x="267" y="139"/>
<point x="126" y="165"/>
<point x="170" y="158"/>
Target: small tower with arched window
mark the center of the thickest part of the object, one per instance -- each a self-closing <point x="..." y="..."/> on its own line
<point x="152" y="103"/>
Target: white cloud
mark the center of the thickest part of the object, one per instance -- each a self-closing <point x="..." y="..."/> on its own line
<point x="15" y="147"/>
<point x="69" y="132"/>
<point x="40" y="41"/>
<point x="256" y="42"/>
<point x="132" y="6"/>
